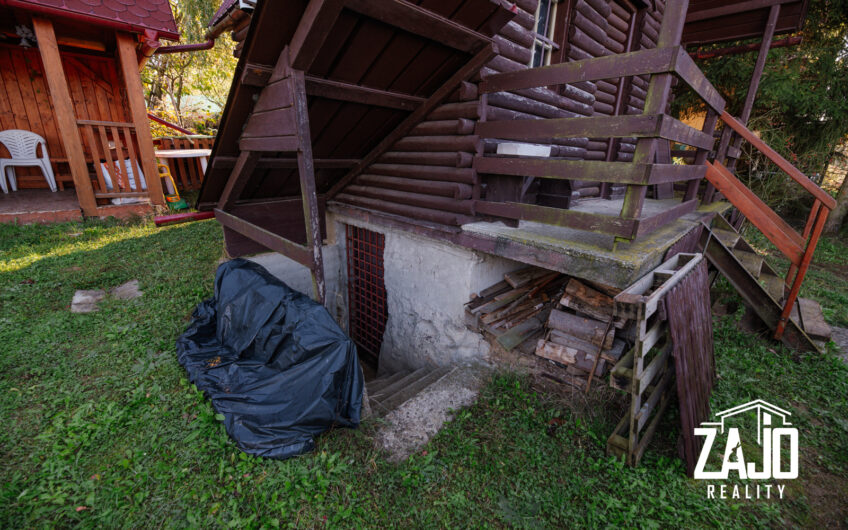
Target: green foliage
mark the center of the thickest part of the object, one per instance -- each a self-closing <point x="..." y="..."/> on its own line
<point x="802" y="101"/>
<point x="203" y="75"/>
<point x="102" y="429"/>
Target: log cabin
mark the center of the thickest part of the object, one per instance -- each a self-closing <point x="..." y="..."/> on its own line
<point x="400" y="156"/>
<point x="70" y="73"/>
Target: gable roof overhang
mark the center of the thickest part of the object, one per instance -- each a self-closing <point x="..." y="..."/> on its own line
<point x="376" y="64"/>
<point x="134" y="16"/>
<point x="713" y="21"/>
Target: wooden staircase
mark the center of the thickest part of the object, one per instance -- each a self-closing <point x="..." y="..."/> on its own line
<point x="762" y="288"/>
<point x="758" y="283"/>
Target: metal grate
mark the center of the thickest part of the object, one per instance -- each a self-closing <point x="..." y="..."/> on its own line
<point x="366" y="291"/>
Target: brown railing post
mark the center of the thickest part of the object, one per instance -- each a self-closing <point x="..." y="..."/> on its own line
<point x="802" y="271"/>
<point x="656" y="101"/>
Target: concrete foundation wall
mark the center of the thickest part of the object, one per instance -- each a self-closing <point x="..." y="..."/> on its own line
<point x="427" y="283"/>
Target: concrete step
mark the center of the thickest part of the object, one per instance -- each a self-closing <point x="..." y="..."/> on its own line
<point x="752" y="261"/>
<point x="399" y="384"/>
<point x="379" y="384"/>
<point x="773" y="285"/>
<point x="728" y="237"/>
<point x="408" y="392"/>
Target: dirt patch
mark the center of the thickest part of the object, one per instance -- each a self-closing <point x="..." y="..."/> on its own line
<point x="826" y="495"/>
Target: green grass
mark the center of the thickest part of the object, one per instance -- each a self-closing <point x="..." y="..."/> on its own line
<point x="101" y="428"/>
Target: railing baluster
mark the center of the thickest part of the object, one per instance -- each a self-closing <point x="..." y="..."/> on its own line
<point x="135" y="165"/>
<point x="120" y="163"/>
<point x="95" y="156"/>
<point x="107" y="154"/>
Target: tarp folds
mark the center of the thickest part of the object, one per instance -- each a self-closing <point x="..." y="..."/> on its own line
<point x="273" y="362"/>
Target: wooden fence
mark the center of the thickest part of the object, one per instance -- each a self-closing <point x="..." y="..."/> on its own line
<point x="187" y="172"/>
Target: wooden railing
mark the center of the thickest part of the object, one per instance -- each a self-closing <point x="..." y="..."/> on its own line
<point x="113" y="150"/>
<point x="798" y="248"/>
<point x="651" y="126"/>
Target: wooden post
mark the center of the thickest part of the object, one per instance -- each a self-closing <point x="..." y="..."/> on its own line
<point x="138" y="111"/>
<point x="754" y="86"/>
<point x="655" y="103"/>
<point x="63" y="107"/>
<point x="306" y="172"/>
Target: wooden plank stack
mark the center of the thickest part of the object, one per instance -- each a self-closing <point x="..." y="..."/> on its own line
<point x="515" y="310"/>
<point x="554" y="316"/>
<point x="581" y="332"/>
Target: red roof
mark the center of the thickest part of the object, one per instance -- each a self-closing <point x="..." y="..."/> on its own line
<point x="226" y="5"/>
<point x="132" y="15"/>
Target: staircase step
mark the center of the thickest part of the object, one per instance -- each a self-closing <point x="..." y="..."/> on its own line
<point x="773" y="285"/>
<point x="399" y="384"/>
<point x="409" y="391"/>
<point x="755" y="294"/>
<point x="752" y="261"/>
<point x="728" y="237"/>
<point x="381" y="383"/>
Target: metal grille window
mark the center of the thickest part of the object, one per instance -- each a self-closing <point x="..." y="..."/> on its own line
<point x="544" y="45"/>
<point x="366" y="291"/>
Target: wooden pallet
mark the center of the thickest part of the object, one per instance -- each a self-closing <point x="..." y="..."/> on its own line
<point x="646" y="371"/>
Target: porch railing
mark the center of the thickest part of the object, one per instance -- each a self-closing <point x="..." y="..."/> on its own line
<point x="798" y="248"/>
<point x="650" y="127"/>
<point x="114" y="150"/>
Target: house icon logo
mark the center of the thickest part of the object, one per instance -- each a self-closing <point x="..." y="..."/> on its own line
<point x="774" y="434"/>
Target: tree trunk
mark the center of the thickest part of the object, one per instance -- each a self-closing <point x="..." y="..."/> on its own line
<point x="838" y="215"/>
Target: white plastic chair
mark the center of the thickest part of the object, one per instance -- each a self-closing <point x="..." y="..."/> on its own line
<point x="23" y="146"/>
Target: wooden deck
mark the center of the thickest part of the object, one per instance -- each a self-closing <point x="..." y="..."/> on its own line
<point x="43" y="206"/>
<point x="39" y="206"/>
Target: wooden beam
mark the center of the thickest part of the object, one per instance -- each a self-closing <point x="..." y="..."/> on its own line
<point x="605" y="224"/>
<point x="612" y="66"/>
<point x="63" y="107"/>
<point x="306" y="172"/>
<point x="693" y="76"/>
<point x="265" y="237"/>
<point x="733" y="8"/>
<point x="422" y="22"/>
<point x="315" y="25"/>
<point x="440" y="95"/>
<point x="591" y="170"/>
<point x="138" y="112"/>
<point x="238" y="178"/>
<point x="656" y="101"/>
<point x="325" y="88"/>
<point x="228" y="162"/>
<point x="754" y="85"/>
<point x="624" y="126"/>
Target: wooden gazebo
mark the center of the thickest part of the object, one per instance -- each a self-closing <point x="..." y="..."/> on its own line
<point x="70" y="72"/>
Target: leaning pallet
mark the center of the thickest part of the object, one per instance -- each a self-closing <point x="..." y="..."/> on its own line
<point x="646" y="371"/>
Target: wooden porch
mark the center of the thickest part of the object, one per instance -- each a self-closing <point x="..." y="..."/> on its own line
<point x="27" y="206"/>
<point x="89" y="107"/>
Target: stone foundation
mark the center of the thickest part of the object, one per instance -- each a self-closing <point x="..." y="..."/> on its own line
<point x="427" y="283"/>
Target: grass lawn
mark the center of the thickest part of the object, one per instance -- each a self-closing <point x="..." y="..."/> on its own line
<point x="101" y="428"/>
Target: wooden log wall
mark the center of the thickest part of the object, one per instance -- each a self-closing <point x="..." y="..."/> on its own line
<point x="428" y="175"/>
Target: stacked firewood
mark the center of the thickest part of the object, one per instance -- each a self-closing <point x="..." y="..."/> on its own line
<point x="515" y="310"/>
<point x="554" y="316"/>
<point x="581" y="332"/>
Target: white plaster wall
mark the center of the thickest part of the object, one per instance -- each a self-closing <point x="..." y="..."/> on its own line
<point x="427" y="282"/>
